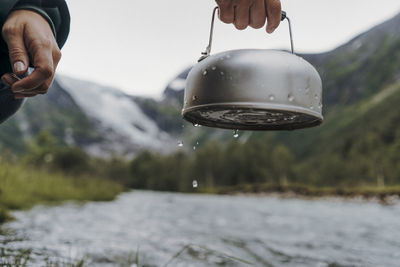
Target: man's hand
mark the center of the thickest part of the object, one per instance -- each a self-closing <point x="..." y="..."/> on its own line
<point x="253" y="13"/>
<point x="30" y="40"/>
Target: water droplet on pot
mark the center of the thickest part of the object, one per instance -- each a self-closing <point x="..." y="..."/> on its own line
<point x="205" y="73"/>
<point x="271" y="97"/>
<point x="214" y="68"/>
<point x="196" y="125"/>
<point x="195" y="184"/>
<point x="194" y="98"/>
<point x="222" y="73"/>
<point x="194" y="147"/>
<point x="236" y="133"/>
<point x="180" y="143"/>
<point x="290" y="98"/>
<point x="316" y="96"/>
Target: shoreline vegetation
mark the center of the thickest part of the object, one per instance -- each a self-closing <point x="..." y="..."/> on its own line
<point x="384" y="195"/>
<point x="51" y="172"/>
<point x="22" y="187"/>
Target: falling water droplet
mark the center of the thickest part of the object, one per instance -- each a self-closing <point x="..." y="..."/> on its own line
<point x="180" y="143"/>
<point x="271" y="97"/>
<point x="290" y="98"/>
<point x="205" y="73"/>
<point x="195" y="184"/>
<point x="236" y="133"/>
<point x="214" y="68"/>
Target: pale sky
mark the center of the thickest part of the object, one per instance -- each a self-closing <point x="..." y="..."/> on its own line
<point x="140" y="46"/>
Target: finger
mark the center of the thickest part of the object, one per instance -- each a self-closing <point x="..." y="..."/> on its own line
<point x="44" y="68"/>
<point x="257" y="14"/>
<point x="226" y="11"/>
<point x="242" y="15"/>
<point x="19" y="58"/>
<point x="8" y="79"/>
<point x="18" y="96"/>
<point x="274" y="14"/>
<point x="56" y="57"/>
<point x="42" y="89"/>
<point x="32" y="94"/>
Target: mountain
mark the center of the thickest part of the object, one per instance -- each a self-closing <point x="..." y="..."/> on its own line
<point x="102" y="120"/>
<point x="362" y="66"/>
<point x="362" y="71"/>
<point x="359" y="76"/>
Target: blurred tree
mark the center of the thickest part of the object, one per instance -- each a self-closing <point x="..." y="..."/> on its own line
<point x="282" y="160"/>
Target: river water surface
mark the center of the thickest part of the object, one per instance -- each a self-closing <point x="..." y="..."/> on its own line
<point x="169" y="229"/>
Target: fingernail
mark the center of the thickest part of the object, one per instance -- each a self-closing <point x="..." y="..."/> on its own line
<point x="19" y="66"/>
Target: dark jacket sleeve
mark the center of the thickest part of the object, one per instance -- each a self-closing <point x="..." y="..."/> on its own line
<point x="54" y="11"/>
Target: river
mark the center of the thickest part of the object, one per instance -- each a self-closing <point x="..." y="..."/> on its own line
<point x="170" y="229"/>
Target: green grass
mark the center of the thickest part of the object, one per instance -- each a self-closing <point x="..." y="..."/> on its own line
<point x="22" y="187"/>
<point x="23" y="258"/>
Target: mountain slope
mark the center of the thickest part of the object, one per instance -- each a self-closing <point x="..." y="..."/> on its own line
<point x="102" y="120"/>
<point x="352" y="73"/>
<point x="106" y="121"/>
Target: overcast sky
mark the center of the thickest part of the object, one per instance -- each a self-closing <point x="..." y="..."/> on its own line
<point x="139" y="46"/>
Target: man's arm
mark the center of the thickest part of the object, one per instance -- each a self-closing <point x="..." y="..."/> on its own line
<point x="253" y="13"/>
<point x="33" y="31"/>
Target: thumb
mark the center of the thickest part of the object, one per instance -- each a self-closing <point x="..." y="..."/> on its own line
<point x="18" y="55"/>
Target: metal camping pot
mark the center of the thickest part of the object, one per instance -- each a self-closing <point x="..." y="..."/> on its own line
<point x="253" y="89"/>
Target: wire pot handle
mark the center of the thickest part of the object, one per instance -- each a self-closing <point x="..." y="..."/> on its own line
<point x="207" y="52"/>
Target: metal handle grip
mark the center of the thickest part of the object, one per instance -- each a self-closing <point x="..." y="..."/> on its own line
<point x="207" y="52"/>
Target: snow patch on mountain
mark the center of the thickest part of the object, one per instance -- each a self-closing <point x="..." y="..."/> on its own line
<point x="177" y="84"/>
<point x="117" y="114"/>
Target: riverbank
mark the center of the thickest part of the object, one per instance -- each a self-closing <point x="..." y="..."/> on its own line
<point x="384" y="195"/>
<point x="22" y="187"/>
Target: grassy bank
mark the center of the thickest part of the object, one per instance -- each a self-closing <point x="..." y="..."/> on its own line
<point x="367" y="192"/>
<point x="22" y="187"/>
